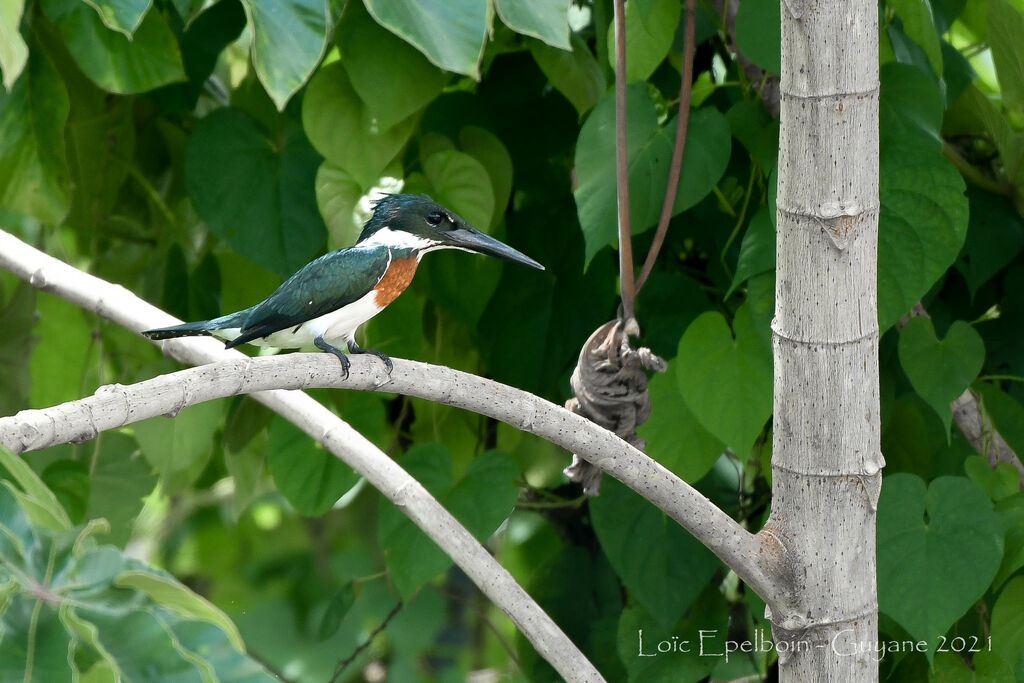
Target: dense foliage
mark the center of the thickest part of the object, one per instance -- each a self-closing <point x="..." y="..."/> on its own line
<point x="199" y="152"/>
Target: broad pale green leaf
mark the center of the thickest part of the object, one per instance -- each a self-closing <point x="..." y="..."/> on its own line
<point x="13" y="50"/>
<point x="461" y="183"/>
<point x="164" y="590"/>
<point x="674" y="436"/>
<point x="485" y="147"/>
<point x="1005" y="28"/>
<point x="308" y="476"/>
<point x="939" y="547"/>
<point x="114" y="61"/>
<point x="33" y="172"/>
<point x="922" y="225"/>
<point x="998" y="483"/>
<point x="451" y="33"/>
<point x="179" y="447"/>
<point x="940" y="370"/>
<point x="576" y="73"/>
<point x="392" y="78"/>
<point x="342" y="129"/>
<point x="910" y="105"/>
<point x="33" y="488"/>
<point x="17" y="317"/>
<point x="123" y="16"/>
<point x="650" y="150"/>
<point x="289" y="38"/>
<point x="919" y="26"/>
<point x="650" y="30"/>
<point x="547" y="20"/>
<point x="1011" y="512"/>
<point x="258" y="199"/>
<point x="481" y="500"/>
<point x="1008" y="625"/>
<point x="121" y="477"/>
<point x="337" y="194"/>
<point x="662" y="565"/>
<point x="759" y="33"/>
<point x="725" y="376"/>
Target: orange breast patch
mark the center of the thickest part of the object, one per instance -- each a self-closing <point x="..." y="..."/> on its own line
<point x="395" y="280"/>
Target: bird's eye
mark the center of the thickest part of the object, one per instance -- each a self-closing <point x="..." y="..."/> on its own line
<point x="435" y="217"/>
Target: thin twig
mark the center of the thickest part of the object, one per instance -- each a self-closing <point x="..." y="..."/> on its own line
<point x="626" y="283"/>
<point x="682" y="127"/>
<point x="343" y="664"/>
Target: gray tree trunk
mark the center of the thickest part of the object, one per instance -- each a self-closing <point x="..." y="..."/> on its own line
<point x="826" y="459"/>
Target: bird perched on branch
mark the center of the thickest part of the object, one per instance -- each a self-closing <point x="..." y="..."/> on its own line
<point x="328" y="299"/>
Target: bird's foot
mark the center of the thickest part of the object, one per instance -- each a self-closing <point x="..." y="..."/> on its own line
<point x="355" y="348"/>
<point x="324" y="346"/>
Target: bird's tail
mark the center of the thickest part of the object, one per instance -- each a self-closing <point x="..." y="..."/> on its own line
<point x="184" y="330"/>
<point x="202" y="327"/>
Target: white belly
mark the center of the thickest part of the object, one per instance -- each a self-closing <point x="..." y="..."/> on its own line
<point x="335" y="327"/>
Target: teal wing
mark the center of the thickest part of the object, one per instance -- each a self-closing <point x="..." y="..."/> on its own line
<point x="324" y="285"/>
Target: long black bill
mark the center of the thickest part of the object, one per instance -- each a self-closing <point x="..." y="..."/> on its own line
<point x="471" y="239"/>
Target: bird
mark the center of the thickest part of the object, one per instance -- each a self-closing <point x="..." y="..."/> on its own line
<point x="326" y="301"/>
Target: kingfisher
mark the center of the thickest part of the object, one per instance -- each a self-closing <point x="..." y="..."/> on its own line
<point x="326" y="301"/>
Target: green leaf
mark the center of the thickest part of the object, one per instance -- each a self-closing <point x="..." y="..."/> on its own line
<point x="757" y="130"/>
<point x="1008" y="626"/>
<point x="999" y="482"/>
<point x="48" y="512"/>
<point x="308" y="476"/>
<point x="995" y="235"/>
<point x="547" y="20"/>
<point x="342" y="129"/>
<point x="17" y="317"/>
<point x="289" y="38"/>
<point x="940" y="370"/>
<point x="938" y="550"/>
<point x="461" y="183"/>
<point x="1005" y="27"/>
<point x="650" y="30"/>
<point x="708" y="147"/>
<point x="487" y="148"/>
<point x="169" y="593"/>
<point x="258" y="199"/>
<point x="114" y="61"/>
<point x="33" y="171"/>
<point x="481" y="500"/>
<point x="726" y="380"/>
<point x="576" y="73"/>
<point x="69" y="481"/>
<point x="179" y="447"/>
<point x="123" y="16"/>
<point x="451" y="33"/>
<point x="337" y="608"/>
<point x="674" y="436"/>
<point x="910" y="106"/>
<point x="1011" y="511"/>
<point x="922" y="225"/>
<point x="919" y="26"/>
<point x="662" y="565"/>
<point x="1006" y="413"/>
<point x="13" y="50"/>
<point x="759" y="33"/>
<point x="120" y="479"/>
<point x="757" y="251"/>
<point x="392" y="78"/>
<point x="985" y="667"/>
<point x="337" y="194"/>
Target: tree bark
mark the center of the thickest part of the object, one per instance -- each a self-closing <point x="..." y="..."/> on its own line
<point x="826" y="458"/>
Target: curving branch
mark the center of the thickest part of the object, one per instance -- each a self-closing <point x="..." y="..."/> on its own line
<point x="33" y="429"/>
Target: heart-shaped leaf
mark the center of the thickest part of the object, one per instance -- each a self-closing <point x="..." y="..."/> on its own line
<point x="662" y="565"/>
<point x="759" y="33"/>
<point x="940" y="370"/>
<point x="547" y="20"/>
<point x="939" y="547"/>
<point x="121" y="15"/>
<point x="575" y="74"/>
<point x="726" y="381"/>
<point x="481" y="500"/>
<point x="391" y="76"/>
<point x="258" y="199"/>
<point x="343" y="130"/>
<point x="451" y="33"/>
<point x="999" y="482"/>
<point x="308" y="476"/>
<point x="289" y="38"/>
<point x="650" y="30"/>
